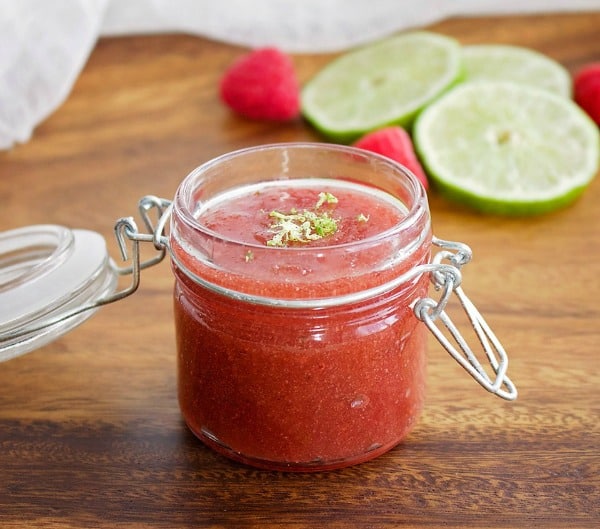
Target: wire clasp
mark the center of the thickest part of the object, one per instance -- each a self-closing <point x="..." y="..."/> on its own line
<point x="126" y="230"/>
<point x="447" y="279"/>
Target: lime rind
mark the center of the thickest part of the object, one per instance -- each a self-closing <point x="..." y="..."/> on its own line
<point x="385" y="83"/>
<point x="507" y="148"/>
<point x="502" y="62"/>
<point x="515" y="208"/>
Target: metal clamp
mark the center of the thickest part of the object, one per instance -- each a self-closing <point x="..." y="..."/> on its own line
<point x="127" y="230"/>
<point x="447" y="279"/>
<point x="444" y="271"/>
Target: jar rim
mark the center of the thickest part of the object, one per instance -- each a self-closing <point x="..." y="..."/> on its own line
<point x="27" y="252"/>
<point x="398" y="249"/>
<point x="414" y="212"/>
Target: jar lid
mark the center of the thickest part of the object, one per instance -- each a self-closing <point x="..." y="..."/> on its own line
<point x="48" y="272"/>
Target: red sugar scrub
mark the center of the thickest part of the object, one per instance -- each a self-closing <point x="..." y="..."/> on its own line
<point x="298" y="348"/>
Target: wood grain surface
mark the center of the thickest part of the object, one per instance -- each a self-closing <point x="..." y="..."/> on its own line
<point x="90" y="431"/>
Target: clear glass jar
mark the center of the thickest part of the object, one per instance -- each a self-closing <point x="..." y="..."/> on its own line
<point x="300" y="357"/>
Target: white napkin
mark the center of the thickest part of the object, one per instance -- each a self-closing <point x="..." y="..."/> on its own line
<point x="45" y="44"/>
<point x="43" y="47"/>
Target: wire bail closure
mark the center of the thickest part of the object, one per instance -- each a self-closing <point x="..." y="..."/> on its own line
<point x="126" y="230"/>
<point x="447" y="279"/>
<point x="444" y="271"/>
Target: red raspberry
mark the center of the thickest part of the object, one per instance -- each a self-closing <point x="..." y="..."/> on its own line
<point x="586" y="85"/>
<point x="395" y="143"/>
<point x="262" y="85"/>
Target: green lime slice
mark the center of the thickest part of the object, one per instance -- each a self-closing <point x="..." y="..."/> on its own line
<point x="384" y="83"/>
<point x="496" y="62"/>
<point x="507" y="148"/>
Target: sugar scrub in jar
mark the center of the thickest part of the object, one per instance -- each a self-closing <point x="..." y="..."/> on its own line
<point x="298" y="348"/>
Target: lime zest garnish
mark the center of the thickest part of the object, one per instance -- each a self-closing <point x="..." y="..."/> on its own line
<point x="325" y="198"/>
<point x="362" y="218"/>
<point x="304" y="226"/>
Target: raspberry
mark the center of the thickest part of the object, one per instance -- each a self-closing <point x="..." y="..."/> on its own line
<point x="586" y="87"/>
<point x="262" y="85"/>
<point x="395" y="143"/>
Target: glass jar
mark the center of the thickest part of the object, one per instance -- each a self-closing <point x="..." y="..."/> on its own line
<point x="302" y="357"/>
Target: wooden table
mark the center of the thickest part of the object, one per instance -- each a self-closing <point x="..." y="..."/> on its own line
<point x="90" y="431"/>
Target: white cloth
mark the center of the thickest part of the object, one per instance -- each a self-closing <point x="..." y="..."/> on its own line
<point x="45" y="44"/>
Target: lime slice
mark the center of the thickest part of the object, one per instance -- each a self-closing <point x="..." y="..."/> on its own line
<point x="384" y="83"/>
<point x="507" y="148"/>
<point x="495" y="62"/>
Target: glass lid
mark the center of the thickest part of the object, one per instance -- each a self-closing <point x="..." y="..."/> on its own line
<point x="46" y="273"/>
